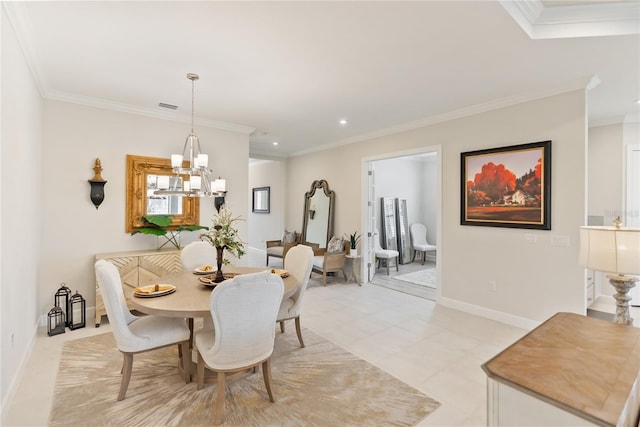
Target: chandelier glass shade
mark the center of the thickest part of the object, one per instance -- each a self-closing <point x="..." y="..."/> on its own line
<point x="193" y="176"/>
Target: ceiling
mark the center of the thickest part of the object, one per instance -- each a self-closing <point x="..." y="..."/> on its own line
<point x="289" y="71"/>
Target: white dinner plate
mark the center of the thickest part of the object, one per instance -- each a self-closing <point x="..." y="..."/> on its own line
<point x="148" y="292"/>
<point x="200" y="271"/>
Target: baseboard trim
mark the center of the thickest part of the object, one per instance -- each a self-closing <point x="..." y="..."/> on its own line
<point x="499" y="316"/>
<point x="18" y="376"/>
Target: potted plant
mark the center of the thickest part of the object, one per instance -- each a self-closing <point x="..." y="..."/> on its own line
<point x="224" y="235"/>
<point x="161" y="225"/>
<point x="353" y="240"/>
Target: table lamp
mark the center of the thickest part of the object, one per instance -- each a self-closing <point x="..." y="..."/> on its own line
<point x="614" y="250"/>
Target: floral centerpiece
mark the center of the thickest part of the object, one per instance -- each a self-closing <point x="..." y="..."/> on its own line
<point x="224" y="235"/>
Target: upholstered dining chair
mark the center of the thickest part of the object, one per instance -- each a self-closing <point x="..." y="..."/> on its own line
<point x="299" y="264"/>
<point x="419" y="241"/>
<point x="196" y="254"/>
<point x="384" y="254"/>
<point x="244" y="311"/>
<point x="135" y="334"/>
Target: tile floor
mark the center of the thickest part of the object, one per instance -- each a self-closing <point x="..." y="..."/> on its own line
<point x="435" y="349"/>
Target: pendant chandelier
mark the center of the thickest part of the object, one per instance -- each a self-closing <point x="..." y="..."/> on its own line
<point x="194" y="180"/>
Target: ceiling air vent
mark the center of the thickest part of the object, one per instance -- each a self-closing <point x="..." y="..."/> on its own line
<point x="169" y="106"/>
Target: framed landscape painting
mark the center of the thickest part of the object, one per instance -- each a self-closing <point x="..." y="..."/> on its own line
<point x="507" y="186"/>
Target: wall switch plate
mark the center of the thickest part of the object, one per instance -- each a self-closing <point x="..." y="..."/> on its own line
<point x="559" y="240"/>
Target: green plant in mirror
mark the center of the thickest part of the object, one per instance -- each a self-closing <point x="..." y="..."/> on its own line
<point x="161" y="225"/>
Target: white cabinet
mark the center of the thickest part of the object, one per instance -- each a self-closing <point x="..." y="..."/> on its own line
<point x="137" y="268"/>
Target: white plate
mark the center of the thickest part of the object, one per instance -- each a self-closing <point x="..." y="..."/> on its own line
<point x="199" y="271"/>
<point x="165" y="289"/>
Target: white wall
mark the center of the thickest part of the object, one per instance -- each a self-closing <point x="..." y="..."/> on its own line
<point x="263" y="226"/>
<point x="21" y="210"/>
<point x="74" y="231"/>
<point x="605" y="177"/>
<point x="534" y="281"/>
<point x="430" y="201"/>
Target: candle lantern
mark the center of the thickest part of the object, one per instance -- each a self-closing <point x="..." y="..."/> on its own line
<point x="61" y="299"/>
<point x="57" y="321"/>
<point x="77" y="312"/>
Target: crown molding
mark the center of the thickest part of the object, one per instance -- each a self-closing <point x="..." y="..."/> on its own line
<point x="580" y="20"/>
<point x="21" y="24"/>
<point x="585" y="83"/>
<point x="148" y="112"/>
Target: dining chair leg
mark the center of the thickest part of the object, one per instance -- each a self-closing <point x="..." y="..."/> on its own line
<point x="200" y="371"/>
<point x="388" y="263"/>
<point x="220" y="399"/>
<point x="397" y="263"/>
<point x="266" y="372"/>
<point x="299" y="331"/>
<point x="282" y="326"/>
<point x="127" y="365"/>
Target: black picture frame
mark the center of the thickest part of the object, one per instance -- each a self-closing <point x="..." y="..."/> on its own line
<point x="507" y="186"/>
<point x="261" y="200"/>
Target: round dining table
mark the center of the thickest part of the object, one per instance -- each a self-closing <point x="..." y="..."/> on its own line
<point x="191" y="298"/>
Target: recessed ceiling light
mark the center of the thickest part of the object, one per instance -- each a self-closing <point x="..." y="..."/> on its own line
<point x="343" y="122"/>
<point x="275" y="143"/>
<point x="637" y="101"/>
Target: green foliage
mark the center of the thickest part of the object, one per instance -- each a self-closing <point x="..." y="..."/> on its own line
<point x="354" y="239"/>
<point x="224" y="234"/>
<point x="161" y="225"/>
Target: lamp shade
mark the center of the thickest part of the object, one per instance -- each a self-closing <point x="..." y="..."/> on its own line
<point x="610" y="249"/>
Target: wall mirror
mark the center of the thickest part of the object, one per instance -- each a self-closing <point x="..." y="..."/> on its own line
<point x="144" y="176"/>
<point x="261" y="200"/>
<point x="317" y="223"/>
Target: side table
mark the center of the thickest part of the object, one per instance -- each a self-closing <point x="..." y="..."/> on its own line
<point x="354" y="273"/>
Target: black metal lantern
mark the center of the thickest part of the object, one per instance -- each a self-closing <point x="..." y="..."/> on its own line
<point x="61" y="300"/>
<point x="77" y="312"/>
<point x="57" y="321"/>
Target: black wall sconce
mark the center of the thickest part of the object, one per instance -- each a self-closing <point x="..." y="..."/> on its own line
<point x="219" y="187"/>
<point x="97" y="184"/>
<point x="77" y="312"/>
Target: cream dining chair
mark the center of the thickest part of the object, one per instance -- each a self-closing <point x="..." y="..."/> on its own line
<point x="135" y="334"/>
<point x="196" y="254"/>
<point x="384" y="254"/>
<point x="419" y="241"/>
<point x="244" y="311"/>
<point x="299" y="261"/>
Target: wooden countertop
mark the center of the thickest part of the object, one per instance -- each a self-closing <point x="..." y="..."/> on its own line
<point x="583" y="365"/>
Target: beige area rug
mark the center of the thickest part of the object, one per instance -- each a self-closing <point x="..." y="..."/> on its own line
<point x="319" y="385"/>
<point x="425" y="277"/>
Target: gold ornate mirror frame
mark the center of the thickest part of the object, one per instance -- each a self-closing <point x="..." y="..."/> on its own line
<point x="138" y="168"/>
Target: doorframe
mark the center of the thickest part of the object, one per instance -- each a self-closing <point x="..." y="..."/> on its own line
<point x="364" y="220"/>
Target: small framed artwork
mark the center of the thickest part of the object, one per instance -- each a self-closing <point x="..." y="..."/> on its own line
<point x="507" y="186"/>
<point x="261" y="200"/>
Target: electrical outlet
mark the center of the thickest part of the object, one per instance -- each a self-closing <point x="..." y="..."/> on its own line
<point x="493" y="286"/>
<point x="531" y="238"/>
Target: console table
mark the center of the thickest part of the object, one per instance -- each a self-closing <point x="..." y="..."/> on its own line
<point x="137" y="268"/>
<point x="571" y="370"/>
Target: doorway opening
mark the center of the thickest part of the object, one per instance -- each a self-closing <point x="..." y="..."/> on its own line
<point x="403" y="188"/>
